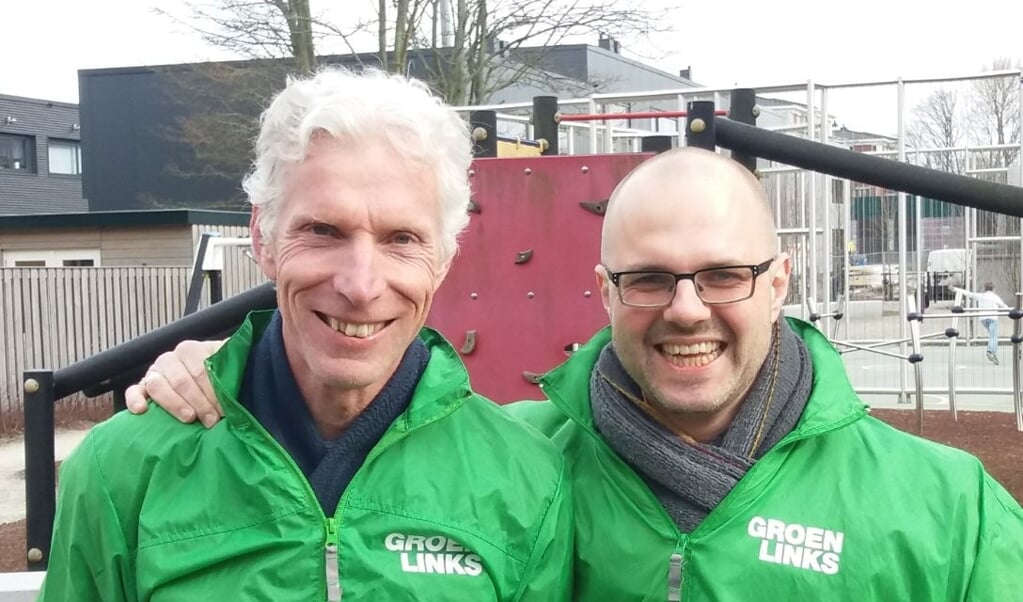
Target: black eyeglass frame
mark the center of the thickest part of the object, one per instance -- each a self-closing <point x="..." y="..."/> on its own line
<point x="756" y="269"/>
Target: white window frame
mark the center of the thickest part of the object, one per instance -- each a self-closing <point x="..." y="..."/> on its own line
<point x="53" y="259"/>
<point x="75" y="149"/>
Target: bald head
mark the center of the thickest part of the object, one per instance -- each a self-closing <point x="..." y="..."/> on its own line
<point x="689" y="184"/>
<point x="688" y="212"/>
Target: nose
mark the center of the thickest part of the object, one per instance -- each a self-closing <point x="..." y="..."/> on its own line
<point x="686" y="307"/>
<point x="358" y="276"/>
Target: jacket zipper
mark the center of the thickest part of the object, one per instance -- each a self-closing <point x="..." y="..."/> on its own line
<point x="330" y="542"/>
<point x="330" y="558"/>
<point x="675" y="577"/>
<point x="331" y="571"/>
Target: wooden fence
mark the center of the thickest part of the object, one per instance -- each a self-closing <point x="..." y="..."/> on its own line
<point x="53" y="317"/>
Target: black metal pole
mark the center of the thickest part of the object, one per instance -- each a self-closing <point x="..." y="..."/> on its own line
<point x="700" y="125"/>
<point x="216" y="286"/>
<point x="40" y="473"/>
<point x="868" y="169"/>
<point x="743" y="108"/>
<point x="120" y="403"/>
<point x="195" y="283"/>
<point x="484" y="133"/>
<point x="545" y="123"/>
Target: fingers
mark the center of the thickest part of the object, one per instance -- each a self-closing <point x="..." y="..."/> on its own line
<point x="166" y="393"/>
<point x="178" y="383"/>
<point x="135" y="398"/>
<point x="197" y="389"/>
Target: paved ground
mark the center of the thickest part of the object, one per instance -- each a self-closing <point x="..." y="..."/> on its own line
<point x="980" y="385"/>
<point x="12" y="471"/>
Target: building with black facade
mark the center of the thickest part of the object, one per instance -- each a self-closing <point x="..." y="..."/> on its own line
<point x="179" y="136"/>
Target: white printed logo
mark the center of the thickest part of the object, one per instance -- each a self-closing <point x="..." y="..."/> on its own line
<point x="792" y="544"/>
<point x="433" y="554"/>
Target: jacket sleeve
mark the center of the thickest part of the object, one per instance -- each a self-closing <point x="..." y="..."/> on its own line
<point x="549" y="571"/>
<point x="998" y="567"/>
<point x="89" y="557"/>
<point x="966" y="293"/>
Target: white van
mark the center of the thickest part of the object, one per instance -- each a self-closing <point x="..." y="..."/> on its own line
<point x="945" y="268"/>
<point x="946" y="261"/>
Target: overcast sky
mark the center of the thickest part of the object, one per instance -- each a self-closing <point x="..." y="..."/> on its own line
<point x="782" y="41"/>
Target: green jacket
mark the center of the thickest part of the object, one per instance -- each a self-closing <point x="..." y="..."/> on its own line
<point x="456" y="502"/>
<point x="843" y="508"/>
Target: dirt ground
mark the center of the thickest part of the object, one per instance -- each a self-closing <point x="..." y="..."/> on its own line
<point x="991" y="436"/>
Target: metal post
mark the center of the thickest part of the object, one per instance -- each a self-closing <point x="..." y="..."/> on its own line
<point x="829" y="243"/>
<point x="591" y="108"/>
<point x="40" y="474"/>
<point x="914" y="320"/>
<point x="918" y="231"/>
<point x="811" y="134"/>
<point x="901" y="214"/>
<point x="952" y="346"/>
<point x="1017" y="357"/>
<point x="804" y="240"/>
<point x="120" y="403"/>
<point x="216" y="286"/>
<point x="680" y="122"/>
<point x="968" y="245"/>
<point x="1017" y="350"/>
<point x="195" y="284"/>
<point x="484" y="132"/>
<point x="847" y="221"/>
<point x="545" y="122"/>
<point x="700" y="125"/>
<point x="743" y="108"/>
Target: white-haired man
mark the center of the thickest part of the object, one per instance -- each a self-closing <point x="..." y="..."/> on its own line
<point x="354" y="461"/>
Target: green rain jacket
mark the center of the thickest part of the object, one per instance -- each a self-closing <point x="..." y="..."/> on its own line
<point x="456" y="502"/>
<point x="843" y="508"/>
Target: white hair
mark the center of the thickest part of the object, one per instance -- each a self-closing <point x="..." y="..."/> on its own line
<point x="363" y="106"/>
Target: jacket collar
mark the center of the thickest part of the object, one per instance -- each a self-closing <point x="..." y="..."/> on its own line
<point x="443" y="388"/>
<point x="832" y="402"/>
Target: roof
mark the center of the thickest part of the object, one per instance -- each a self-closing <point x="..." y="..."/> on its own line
<point x="124" y="219"/>
<point x="845" y="133"/>
<point x="38" y="101"/>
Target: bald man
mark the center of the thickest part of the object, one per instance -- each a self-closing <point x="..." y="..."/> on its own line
<point x="718" y="452"/>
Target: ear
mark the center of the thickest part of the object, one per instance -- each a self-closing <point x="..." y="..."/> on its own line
<point x="261" y="248"/>
<point x="779" y="282"/>
<point x="604" y="284"/>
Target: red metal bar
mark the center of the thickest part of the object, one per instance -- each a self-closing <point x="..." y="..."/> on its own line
<point x="639" y="115"/>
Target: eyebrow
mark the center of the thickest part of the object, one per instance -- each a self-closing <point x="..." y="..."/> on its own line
<point x="663" y="268"/>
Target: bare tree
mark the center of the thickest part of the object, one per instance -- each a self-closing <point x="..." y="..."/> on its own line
<point x="215" y="108"/>
<point x="255" y="28"/>
<point x="995" y="120"/>
<point x="468" y="49"/>
<point x="995" y="113"/>
<point x="937" y="124"/>
<point x="493" y="44"/>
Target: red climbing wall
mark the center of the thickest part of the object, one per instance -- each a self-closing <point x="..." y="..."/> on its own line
<point x="523" y="280"/>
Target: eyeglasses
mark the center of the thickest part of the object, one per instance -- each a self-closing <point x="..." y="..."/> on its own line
<point x="714" y="286"/>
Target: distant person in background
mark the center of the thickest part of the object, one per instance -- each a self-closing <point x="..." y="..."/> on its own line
<point x="986" y="301"/>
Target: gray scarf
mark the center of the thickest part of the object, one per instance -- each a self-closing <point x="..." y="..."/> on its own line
<point x="691" y="478"/>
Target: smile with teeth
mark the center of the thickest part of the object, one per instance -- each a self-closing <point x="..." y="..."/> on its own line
<point x="697" y="354"/>
<point x="355" y="329"/>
